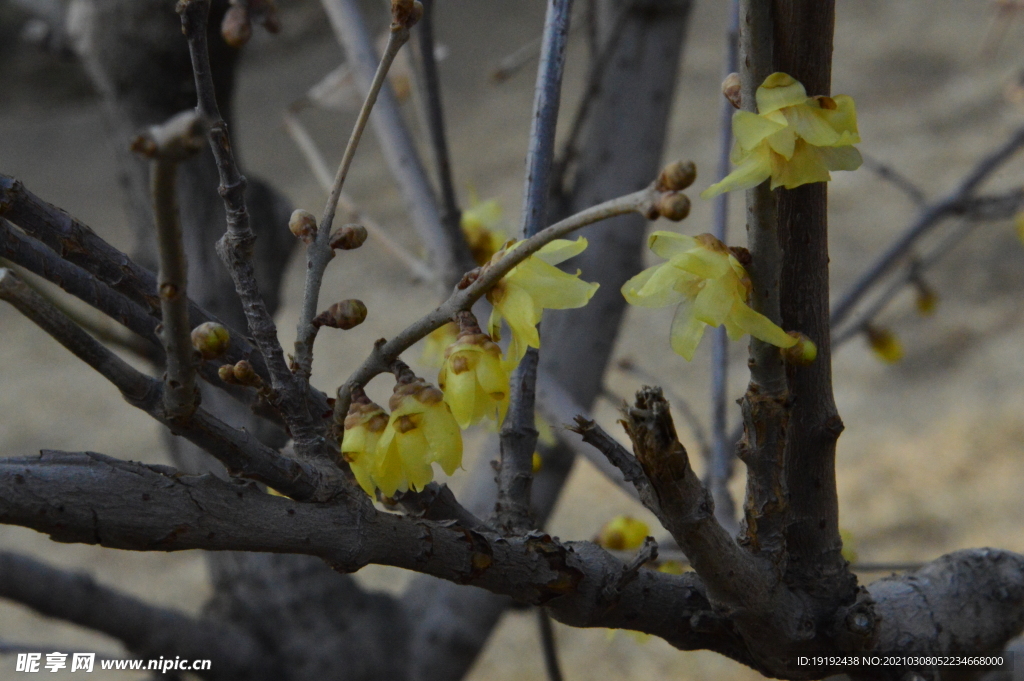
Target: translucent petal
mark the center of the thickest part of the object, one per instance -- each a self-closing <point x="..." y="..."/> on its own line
<point x="713" y="303"/>
<point x="813" y="127"/>
<point x="460" y="392"/>
<point x="519" y="311"/>
<point x="414" y="450"/>
<point x="388" y="472"/>
<point x="777" y="91"/>
<point x="754" y="169"/>
<point x="443" y="437"/>
<point x="494" y="383"/>
<point x="704" y="263"/>
<point x="760" y="327"/>
<point x="840" y="158"/>
<point x="805" y="167"/>
<point x="667" y="244"/>
<point x="552" y="289"/>
<point x="686" y="332"/>
<point x="494" y="324"/>
<point x="654" y="287"/>
<point x="843" y="119"/>
<point x="749" y="129"/>
<point x="782" y="142"/>
<point x="560" y="250"/>
<point x="362" y="469"/>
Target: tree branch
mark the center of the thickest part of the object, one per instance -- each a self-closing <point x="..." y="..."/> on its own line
<point x="168" y="145"/>
<point x="146" y="630"/>
<point x="319" y="253"/>
<point x="240" y="452"/>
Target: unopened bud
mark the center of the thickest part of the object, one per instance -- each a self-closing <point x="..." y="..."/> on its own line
<point x="226" y="372"/>
<point x="731" y="88"/>
<point x="211" y="339"/>
<point x="802" y="353"/>
<point x="246" y="375"/>
<point x="885" y="344"/>
<point x="236" y="28"/>
<point x="348" y="237"/>
<point x="623" y="533"/>
<point x="674" y="206"/>
<point x="405" y="13"/>
<point x="537" y="463"/>
<point x="344" y="315"/>
<point x="303" y="225"/>
<point x="677" y="176"/>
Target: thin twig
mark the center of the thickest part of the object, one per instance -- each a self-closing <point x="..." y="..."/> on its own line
<point x="547" y="645"/>
<point x="511" y="64"/>
<point x="168" y="145"/>
<point x="451" y="216"/>
<point x="240" y="452"/>
<point x="519" y="435"/>
<point x="384" y="353"/>
<point x="620" y="457"/>
<point x="419" y="269"/>
<point x="895" y="178"/>
<point x="720" y="462"/>
<point x="399" y="150"/>
<point x="680" y="404"/>
<point x="929" y="217"/>
<point x="319" y="253"/>
<point x="235" y="248"/>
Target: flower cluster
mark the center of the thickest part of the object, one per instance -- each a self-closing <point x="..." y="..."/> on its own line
<point x="793" y="139"/>
<point x="397" y="452"/>
<point x="709" y="285"/>
<point x="474" y="381"/>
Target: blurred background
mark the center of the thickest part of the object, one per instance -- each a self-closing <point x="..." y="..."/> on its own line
<point x="932" y="459"/>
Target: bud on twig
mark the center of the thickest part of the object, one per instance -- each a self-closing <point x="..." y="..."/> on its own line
<point x="676" y="176"/>
<point x="348" y="237"/>
<point x="801" y="354"/>
<point x="236" y="28"/>
<point x="211" y="340"/>
<point x="405" y="13"/>
<point x="240" y="373"/>
<point x="732" y="91"/>
<point x="344" y="315"/>
<point x="674" y="206"/>
<point x="303" y="225"/>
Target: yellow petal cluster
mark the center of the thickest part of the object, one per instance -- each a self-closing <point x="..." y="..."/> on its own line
<point x="532" y="286"/>
<point x="623" y="533"/>
<point x="710" y="287"/>
<point x="474" y="380"/>
<point x="793" y="139"/>
<point x="397" y="452"/>
<point x="480" y="227"/>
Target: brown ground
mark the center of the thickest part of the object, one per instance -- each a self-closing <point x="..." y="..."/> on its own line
<point x="931" y="458"/>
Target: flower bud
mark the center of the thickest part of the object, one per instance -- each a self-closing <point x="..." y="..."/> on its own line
<point x="236" y="27"/>
<point x="801" y="354"/>
<point x="344" y="315"/>
<point x="303" y="225"/>
<point x="348" y="237"/>
<point x="623" y="533"/>
<point x="885" y="344"/>
<point x="211" y="340"/>
<point x="537" y="463"/>
<point x="731" y="88"/>
<point x="227" y="373"/>
<point x="927" y="299"/>
<point x="674" y="206"/>
<point x="246" y="375"/>
<point x="677" y="176"/>
<point x="405" y="13"/>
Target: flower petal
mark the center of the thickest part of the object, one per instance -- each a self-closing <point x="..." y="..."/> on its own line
<point x="805" y="167"/>
<point x="667" y="244"/>
<point x="754" y="169"/>
<point x="760" y="327"/>
<point x="686" y="332"/>
<point x="843" y="119"/>
<point x="443" y="437"/>
<point x="460" y="392"/>
<point x="809" y="123"/>
<point x="654" y="287"/>
<point x="749" y="129"/>
<point x="560" y="250"/>
<point x="840" y="158"/>
<point x="782" y="142"/>
<point x="713" y="303"/>
<point x="551" y="288"/>
<point x="777" y="91"/>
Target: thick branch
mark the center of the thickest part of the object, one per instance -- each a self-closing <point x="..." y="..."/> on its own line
<point x="90" y="498"/>
<point x="146" y="630"/>
<point x="240" y="452"/>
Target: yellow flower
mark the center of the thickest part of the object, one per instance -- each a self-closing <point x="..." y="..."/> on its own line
<point x="623" y="533"/>
<point x="421" y="431"/>
<point x="474" y="381"/>
<point x="793" y="139"/>
<point x="364" y="425"/>
<point x="709" y="285"/>
<point x="530" y="287"/>
<point x="435" y="344"/>
<point x="886" y="344"/>
<point x="480" y="227"/>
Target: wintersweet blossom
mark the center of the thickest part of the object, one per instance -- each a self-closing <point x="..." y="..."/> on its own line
<point x="710" y="287"/>
<point x="473" y="379"/>
<point x="479" y="225"/>
<point x="420" y="432"/>
<point x="793" y="139"/>
<point x="364" y="425"/>
<point x="531" y="286"/>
